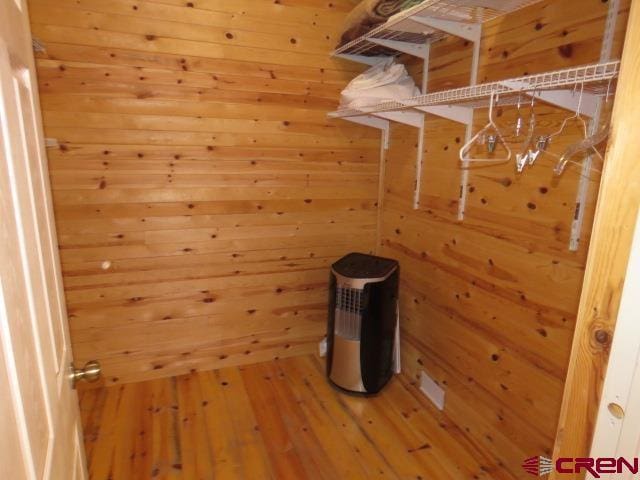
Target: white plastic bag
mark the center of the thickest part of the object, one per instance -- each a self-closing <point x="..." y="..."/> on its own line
<point x="384" y="81"/>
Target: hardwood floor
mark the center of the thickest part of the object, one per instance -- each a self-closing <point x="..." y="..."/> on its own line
<point x="276" y="420"/>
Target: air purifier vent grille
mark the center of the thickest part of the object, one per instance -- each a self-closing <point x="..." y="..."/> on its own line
<point x="348" y="312"/>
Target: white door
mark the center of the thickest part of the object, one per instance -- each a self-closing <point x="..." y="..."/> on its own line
<point x="40" y="435"/>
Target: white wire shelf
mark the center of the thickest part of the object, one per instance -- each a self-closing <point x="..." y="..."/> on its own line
<point x="562" y="88"/>
<point x="411" y="30"/>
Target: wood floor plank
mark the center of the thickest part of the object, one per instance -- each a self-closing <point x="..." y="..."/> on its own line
<point x="141" y="458"/>
<point x="277" y="420"/>
<point x="400" y="447"/>
<point x="347" y="445"/>
<point x="191" y="464"/>
<point x="166" y="440"/>
<point x="222" y="448"/>
<point x="280" y="447"/>
<point x="314" y="459"/>
<point x="92" y="406"/>
<point x="254" y="460"/>
<point x="101" y="461"/>
<point x="433" y="426"/>
<point x="126" y="431"/>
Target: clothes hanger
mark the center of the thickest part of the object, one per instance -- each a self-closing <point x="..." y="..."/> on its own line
<point x="587" y="143"/>
<point x="544" y="140"/>
<point x="576" y="116"/>
<point x="492" y="139"/>
<point x="541" y="146"/>
<point x="584" y="145"/>
<point x="524" y="157"/>
<point x="519" y="119"/>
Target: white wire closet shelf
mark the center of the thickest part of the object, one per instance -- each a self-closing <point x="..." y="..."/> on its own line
<point x="411" y="30"/>
<point x="561" y="88"/>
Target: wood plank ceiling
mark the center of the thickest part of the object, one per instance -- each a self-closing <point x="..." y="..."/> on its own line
<point x="200" y="191"/>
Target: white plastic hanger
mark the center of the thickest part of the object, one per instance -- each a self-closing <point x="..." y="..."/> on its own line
<point x="496" y="137"/>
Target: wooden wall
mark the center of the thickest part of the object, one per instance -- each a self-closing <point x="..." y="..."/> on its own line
<point x="608" y="269"/>
<point x="488" y="305"/>
<point x="201" y="194"/>
<point x="200" y="191"/>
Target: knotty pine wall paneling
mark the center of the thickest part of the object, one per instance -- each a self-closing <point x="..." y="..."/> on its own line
<point x="200" y="191"/>
<point x="608" y="272"/>
<point x="488" y="305"/>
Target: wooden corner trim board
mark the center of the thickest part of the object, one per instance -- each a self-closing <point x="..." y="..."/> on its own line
<point x="613" y="229"/>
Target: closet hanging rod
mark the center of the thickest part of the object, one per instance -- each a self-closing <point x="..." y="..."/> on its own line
<point x="556" y="87"/>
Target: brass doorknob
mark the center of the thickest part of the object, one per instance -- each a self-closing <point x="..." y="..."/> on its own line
<point x="89" y="373"/>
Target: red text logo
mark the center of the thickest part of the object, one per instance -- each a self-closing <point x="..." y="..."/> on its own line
<point x="540" y="466"/>
<point x="597" y="466"/>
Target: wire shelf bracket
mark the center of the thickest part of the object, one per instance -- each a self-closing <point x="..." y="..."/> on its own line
<point x="413" y="119"/>
<point x="370" y="121"/>
<point x="467" y="31"/>
<point x="407" y="117"/>
<point x="450" y="112"/>
<point x="415" y="49"/>
<point x="360" y="58"/>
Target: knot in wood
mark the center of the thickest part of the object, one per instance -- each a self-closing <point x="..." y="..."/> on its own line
<point x="602" y="337"/>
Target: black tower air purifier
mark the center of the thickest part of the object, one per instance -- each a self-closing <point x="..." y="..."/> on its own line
<point x="363" y="306"/>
